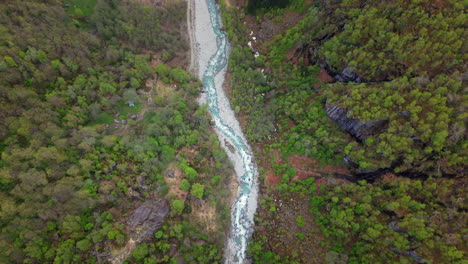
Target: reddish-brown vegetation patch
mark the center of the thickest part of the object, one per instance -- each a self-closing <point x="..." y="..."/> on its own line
<point x="330" y="169"/>
<point x="272" y="180"/>
<point x="309" y="167"/>
<point x="302" y="163"/>
<point x="323" y="77"/>
<point x="388" y="178"/>
<point x="438" y="4"/>
<point x="305" y="168"/>
<point x="302" y="175"/>
<point x="329" y="180"/>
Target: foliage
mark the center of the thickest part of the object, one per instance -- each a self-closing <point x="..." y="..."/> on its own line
<point x="178" y="206"/>
<point x="79" y="8"/>
<point x="140" y="252"/>
<point x="408" y="59"/>
<point x="139" y="25"/>
<point x="197" y="190"/>
<point x="73" y="161"/>
<point x="421" y="103"/>
<point x="384" y="222"/>
<point x="416" y="89"/>
<point x="185" y="185"/>
<point x="268" y="109"/>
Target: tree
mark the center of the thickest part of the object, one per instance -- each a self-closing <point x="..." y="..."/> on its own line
<point x="185" y="185"/>
<point x="140" y="252"/>
<point x="65" y="252"/>
<point x="178" y="207"/>
<point x="179" y="75"/>
<point x="83" y="245"/>
<point x="198" y="190"/>
<point x="130" y="95"/>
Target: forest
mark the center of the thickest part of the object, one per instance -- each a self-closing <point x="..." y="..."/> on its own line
<point x="94" y="124"/>
<point x="355" y="111"/>
<point x="382" y="181"/>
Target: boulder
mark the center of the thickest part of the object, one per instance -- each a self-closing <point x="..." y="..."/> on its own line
<point x="356" y="128"/>
<point x="346" y="75"/>
<point x="147" y="218"/>
<point x="170" y="174"/>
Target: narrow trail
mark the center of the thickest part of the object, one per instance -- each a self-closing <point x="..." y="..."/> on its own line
<point x="209" y="56"/>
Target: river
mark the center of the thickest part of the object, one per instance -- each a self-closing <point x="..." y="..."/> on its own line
<point x="210" y="51"/>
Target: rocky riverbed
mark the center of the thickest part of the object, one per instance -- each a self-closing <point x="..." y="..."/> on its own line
<point x="209" y="55"/>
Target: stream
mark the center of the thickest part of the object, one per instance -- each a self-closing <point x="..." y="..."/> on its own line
<point x="210" y="51"/>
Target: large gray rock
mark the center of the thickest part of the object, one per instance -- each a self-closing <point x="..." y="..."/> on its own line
<point x="141" y="225"/>
<point x="147" y="218"/>
<point x="346" y="75"/>
<point x="357" y="129"/>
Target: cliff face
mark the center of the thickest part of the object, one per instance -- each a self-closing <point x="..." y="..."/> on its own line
<point x="346" y="75"/>
<point x="358" y="129"/>
<point x="141" y="225"/>
<point x="148" y="218"/>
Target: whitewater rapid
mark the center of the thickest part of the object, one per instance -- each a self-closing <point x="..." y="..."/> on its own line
<point x="210" y="51"/>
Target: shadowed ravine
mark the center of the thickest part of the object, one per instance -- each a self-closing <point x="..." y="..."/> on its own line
<point x="210" y="52"/>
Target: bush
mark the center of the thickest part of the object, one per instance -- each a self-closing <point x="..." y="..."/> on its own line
<point x="178" y="207"/>
<point x="185" y="185"/>
<point x="140" y="252"/>
<point x="83" y="245"/>
<point x="198" y="190"/>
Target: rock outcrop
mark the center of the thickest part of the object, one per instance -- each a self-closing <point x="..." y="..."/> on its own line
<point x="313" y="57"/>
<point x="141" y="225"/>
<point x="346" y="75"/>
<point x="147" y="218"/>
<point x="358" y="129"/>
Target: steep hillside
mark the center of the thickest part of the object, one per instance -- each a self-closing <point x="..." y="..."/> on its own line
<point x="105" y="153"/>
<point x="334" y="92"/>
